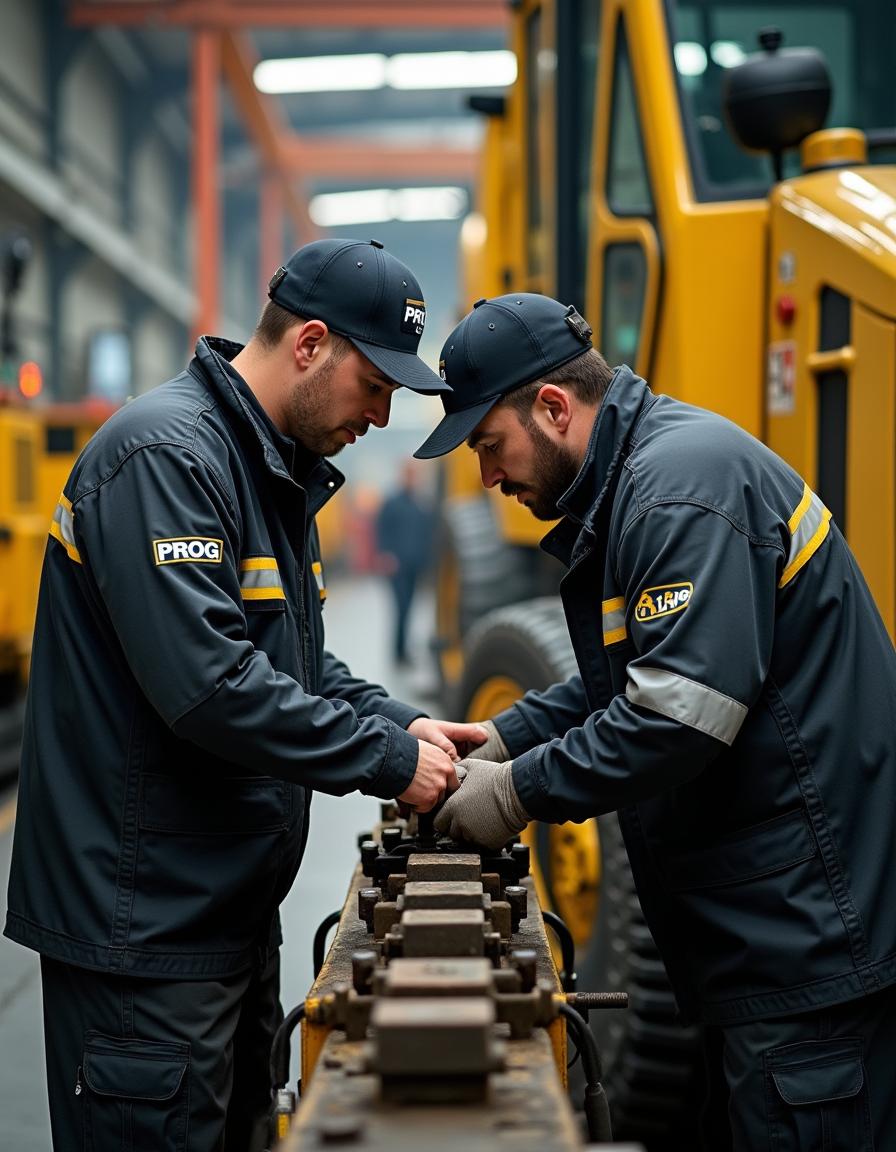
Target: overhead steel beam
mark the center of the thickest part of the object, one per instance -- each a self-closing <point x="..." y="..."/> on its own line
<point x="294" y="13"/>
<point x="206" y="203"/>
<point x="265" y="125"/>
<point x="331" y="158"/>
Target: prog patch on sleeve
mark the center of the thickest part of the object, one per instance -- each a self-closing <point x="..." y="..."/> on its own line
<point x="188" y="549"/>
<point x="663" y="600"/>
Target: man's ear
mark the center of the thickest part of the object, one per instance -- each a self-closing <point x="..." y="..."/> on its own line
<point x="307" y="342"/>
<point x="555" y="406"/>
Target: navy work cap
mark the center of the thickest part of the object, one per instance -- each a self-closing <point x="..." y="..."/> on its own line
<point x="363" y="293"/>
<point x="501" y="345"/>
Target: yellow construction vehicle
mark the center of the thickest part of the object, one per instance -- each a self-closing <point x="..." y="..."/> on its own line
<point x="664" y="166"/>
<point x="38" y="446"/>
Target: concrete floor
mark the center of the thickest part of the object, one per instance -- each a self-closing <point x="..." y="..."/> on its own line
<point x="357" y="619"/>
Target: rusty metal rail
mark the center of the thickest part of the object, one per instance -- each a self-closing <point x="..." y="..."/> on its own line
<point x="438" y="1014"/>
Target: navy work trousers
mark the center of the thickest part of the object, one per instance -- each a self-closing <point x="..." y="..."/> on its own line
<point x="136" y="1064"/>
<point x="822" y="1081"/>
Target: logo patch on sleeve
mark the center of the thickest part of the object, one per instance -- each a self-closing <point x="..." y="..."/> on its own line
<point x="414" y="317"/>
<point x="181" y="549"/>
<point x="663" y="600"/>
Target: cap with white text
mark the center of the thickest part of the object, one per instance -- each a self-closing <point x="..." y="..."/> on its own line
<point x="362" y="292"/>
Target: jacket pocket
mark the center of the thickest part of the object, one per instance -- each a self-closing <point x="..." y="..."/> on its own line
<point x="754" y="915"/>
<point x="817" y="1097"/>
<point x="228" y="806"/>
<point x="136" y="1095"/>
<point x="760" y="850"/>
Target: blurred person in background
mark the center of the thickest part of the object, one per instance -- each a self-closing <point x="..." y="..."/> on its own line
<point x="404" y="536"/>
<point x="183" y="708"/>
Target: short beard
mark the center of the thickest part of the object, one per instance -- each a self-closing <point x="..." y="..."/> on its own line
<point x="554" y="468"/>
<point x="308" y="413"/>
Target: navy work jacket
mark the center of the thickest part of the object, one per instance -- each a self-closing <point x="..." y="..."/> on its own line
<point x="181" y="705"/>
<point x="736" y="704"/>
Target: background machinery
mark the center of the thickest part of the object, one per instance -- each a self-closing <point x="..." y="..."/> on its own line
<point x="653" y="168"/>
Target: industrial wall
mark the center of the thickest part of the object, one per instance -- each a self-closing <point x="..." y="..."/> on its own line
<point x="94" y="170"/>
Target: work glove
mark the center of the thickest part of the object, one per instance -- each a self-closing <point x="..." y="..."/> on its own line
<point x="493" y="749"/>
<point x="485" y="809"/>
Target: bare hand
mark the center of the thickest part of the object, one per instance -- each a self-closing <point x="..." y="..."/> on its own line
<point x="435" y="776"/>
<point x="457" y="740"/>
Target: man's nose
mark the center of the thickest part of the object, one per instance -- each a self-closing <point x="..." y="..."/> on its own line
<point x="378" y="411"/>
<point x="490" y="473"/>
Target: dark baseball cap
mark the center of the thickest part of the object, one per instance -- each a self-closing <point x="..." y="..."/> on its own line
<point x="501" y="345"/>
<point x="363" y="293"/>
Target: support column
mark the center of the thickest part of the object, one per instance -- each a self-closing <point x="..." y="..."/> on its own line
<point x="206" y="206"/>
<point x="270" y="229"/>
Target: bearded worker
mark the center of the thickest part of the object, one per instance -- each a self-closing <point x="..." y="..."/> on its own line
<point x="735" y="704"/>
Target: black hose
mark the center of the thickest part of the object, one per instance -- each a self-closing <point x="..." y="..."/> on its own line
<point x="597" y="1110"/>
<point x="320" y="941"/>
<point x="280" y="1047"/>
<point x="567" y="950"/>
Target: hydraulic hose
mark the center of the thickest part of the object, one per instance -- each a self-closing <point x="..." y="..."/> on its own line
<point x="280" y="1047"/>
<point x="567" y="950"/>
<point x="320" y="940"/>
<point x="597" y="1110"/>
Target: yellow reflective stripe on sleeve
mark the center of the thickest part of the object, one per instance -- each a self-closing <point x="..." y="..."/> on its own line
<point x="809" y="525"/>
<point x="318" y="569"/>
<point x="260" y="579"/>
<point x="263" y="594"/>
<point x="687" y="701"/>
<point x="800" y="511"/>
<point x="614" y="620"/>
<point x="259" y="564"/>
<point x="62" y="528"/>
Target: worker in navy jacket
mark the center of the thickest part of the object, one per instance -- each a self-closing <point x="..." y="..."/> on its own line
<point x="182" y="709"/>
<point x="735" y="704"/>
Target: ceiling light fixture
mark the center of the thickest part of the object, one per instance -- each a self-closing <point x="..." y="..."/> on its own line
<point x="408" y="71"/>
<point x="378" y="205"/>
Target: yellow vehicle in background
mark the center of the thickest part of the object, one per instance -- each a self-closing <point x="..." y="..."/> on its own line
<point x="757" y="281"/>
<point x="38" y="446"/>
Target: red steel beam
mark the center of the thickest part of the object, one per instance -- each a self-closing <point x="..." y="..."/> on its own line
<point x="270" y="230"/>
<point x="348" y="159"/>
<point x="266" y="126"/>
<point x="294" y="13"/>
<point x="206" y="206"/>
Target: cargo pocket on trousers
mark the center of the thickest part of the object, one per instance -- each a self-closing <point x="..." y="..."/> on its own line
<point x="135" y="1096"/>
<point x="818" y="1098"/>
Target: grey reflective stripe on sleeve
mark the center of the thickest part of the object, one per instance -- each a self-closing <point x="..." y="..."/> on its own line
<point x="614" y="620"/>
<point x="686" y="701"/>
<point x="808" y="525"/>
<point x="62" y="528"/>
<point x="260" y="579"/>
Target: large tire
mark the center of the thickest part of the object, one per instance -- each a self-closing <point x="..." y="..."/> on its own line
<point x="476" y="572"/>
<point x="652" y="1064"/>
<point x="650" y="1061"/>
<point x="490" y="574"/>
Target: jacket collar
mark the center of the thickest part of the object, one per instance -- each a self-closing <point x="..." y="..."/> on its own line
<point x="626" y="399"/>
<point x="212" y="361"/>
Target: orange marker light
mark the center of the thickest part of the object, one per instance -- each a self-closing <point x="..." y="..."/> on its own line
<point x="31" y="379"/>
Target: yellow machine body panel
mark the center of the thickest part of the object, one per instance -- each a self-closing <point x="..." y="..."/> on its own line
<point x="698" y="333"/>
<point x="830" y="400"/>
